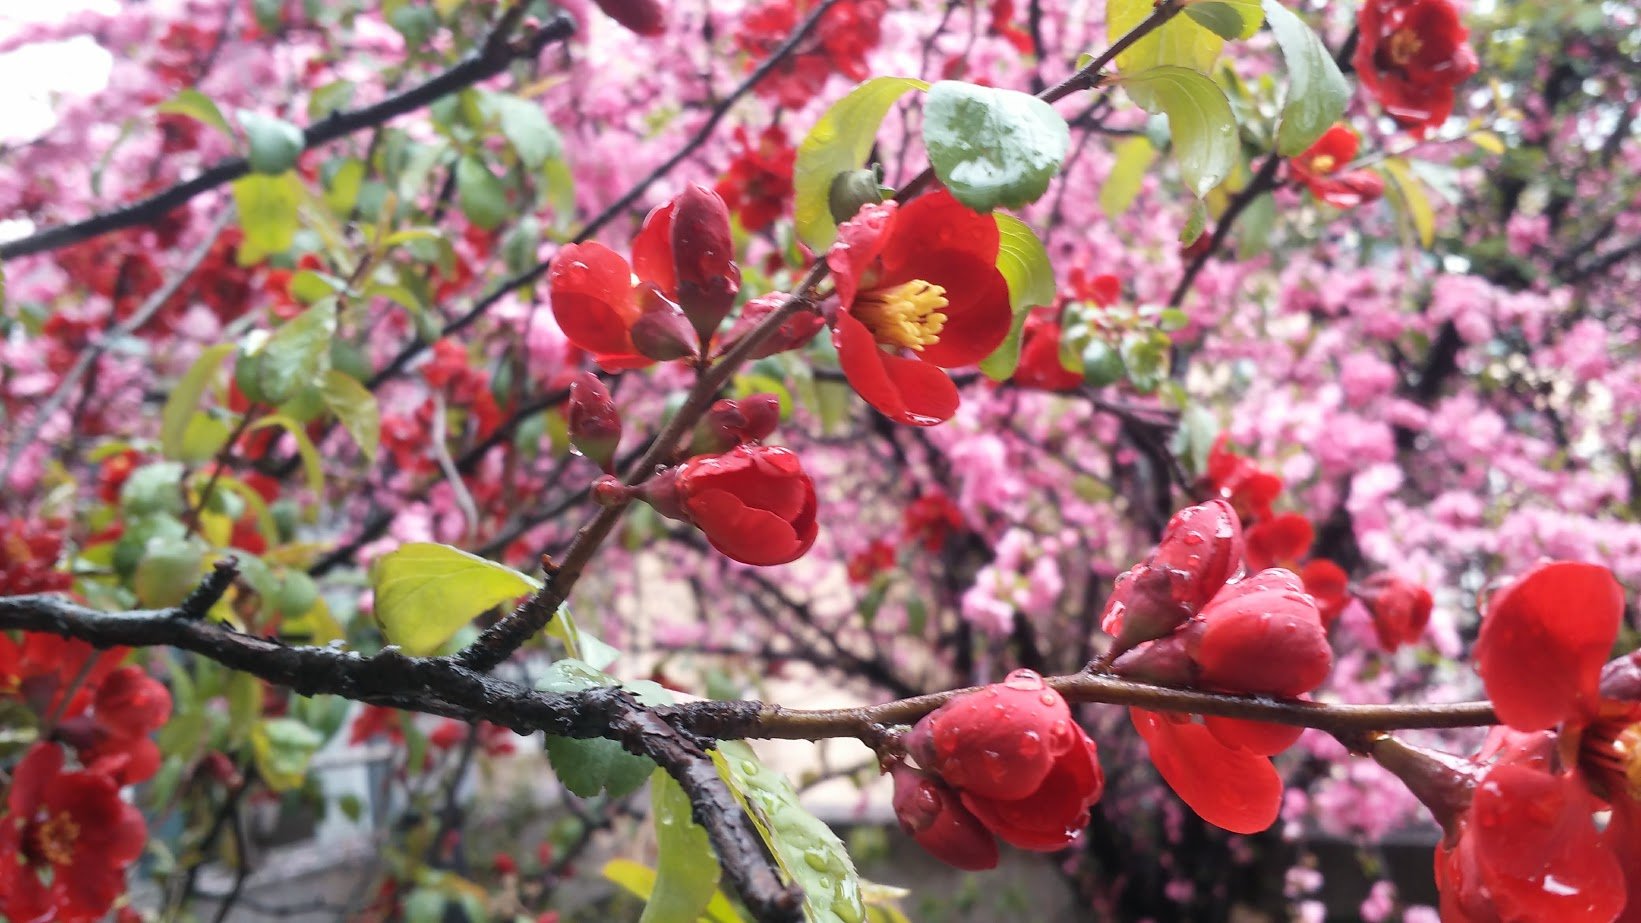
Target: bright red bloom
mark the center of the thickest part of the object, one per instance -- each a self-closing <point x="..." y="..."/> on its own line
<point x="1040" y="365"/>
<point x="838" y="44"/>
<point x="1002" y="24"/>
<point x="754" y="503"/>
<point x="1320" y="168"/>
<point x="758" y="183"/>
<point x="918" y="293"/>
<point x="874" y="559"/>
<point x="377" y="721"/>
<point x="1201" y="548"/>
<point x="930" y="519"/>
<point x="72" y="827"/>
<point x="1019" y="762"/>
<point x="1263" y="636"/>
<point x="1250" y="489"/>
<point x="1102" y="289"/>
<point x="1279" y="541"/>
<point x="29" y="549"/>
<point x="1400" y="608"/>
<point x="1528" y="846"/>
<point x="1411" y="56"/>
<point x="932" y="813"/>
<point x="1329" y="585"/>
<point x="685" y="247"/>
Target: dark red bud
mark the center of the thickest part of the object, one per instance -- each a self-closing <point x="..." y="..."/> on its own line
<point x="933" y="814"/>
<point x="609" y="491"/>
<point x="1165" y="661"/>
<point x="703" y="251"/>
<point x="594" y="423"/>
<point x="645" y="17"/>
<point x="661" y="492"/>
<point x="662" y="333"/>
<point x="794" y="332"/>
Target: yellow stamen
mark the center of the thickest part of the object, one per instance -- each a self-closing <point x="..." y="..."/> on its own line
<point x="1628" y="747"/>
<point x="1404" y="45"/>
<point x="908" y="315"/>
<point x="1323" y="163"/>
<point x="55" y="839"/>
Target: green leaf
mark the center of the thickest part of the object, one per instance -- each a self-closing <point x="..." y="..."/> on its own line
<point x="993" y="147"/>
<point x="282" y="749"/>
<point x="1179" y="42"/>
<point x="199" y="107"/>
<point x="153" y="488"/>
<point x="312" y="468"/>
<point x="308" y="286"/>
<point x="185" y="396"/>
<point x="426" y="592"/>
<point x="1254" y="230"/>
<point x="356" y="407"/>
<point x="267" y="213"/>
<point x="686" y="874"/>
<point x="1196" y="221"/>
<point x="245" y="694"/>
<point x="274" y="144"/>
<point x="1228" y="19"/>
<point x="639" y="880"/>
<point x="343" y="192"/>
<point x="587" y="767"/>
<point x="1317" y="92"/>
<point x="1127" y="176"/>
<point x="1411" y="196"/>
<point x="808" y="852"/>
<point x="329" y="98"/>
<point x="1199" y="120"/>
<point x="525" y="126"/>
<point x="1024" y="264"/>
<point x="273" y="368"/>
<point x="268" y="14"/>
<point x="1101" y="364"/>
<point x="480" y="193"/>
<point x="840" y="141"/>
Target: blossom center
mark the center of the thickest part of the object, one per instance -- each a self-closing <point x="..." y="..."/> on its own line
<point x="907" y="315"/>
<point x="1609" y="752"/>
<point x="1404" y="46"/>
<point x="1323" y="163"/>
<point x="53" y="840"/>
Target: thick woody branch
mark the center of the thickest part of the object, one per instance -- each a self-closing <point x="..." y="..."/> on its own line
<point x="490" y="59"/>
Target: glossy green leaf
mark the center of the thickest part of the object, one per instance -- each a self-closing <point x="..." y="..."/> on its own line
<point x="639" y="880"/>
<point x="282" y="748"/>
<point x="273" y="368"/>
<point x="1179" y="42"/>
<point x="267" y="214"/>
<point x="840" y="141"/>
<point x="686" y="873"/>
<point x="343" y="192"/>
<point x="993" y="147"/>
<point x="356" y="408"/>
<point x="426" y="592"/>
<point x="1228" y="19"/>
<point x="1317" y="91"/>
<point x="1411" y="196"/>
<point x="273" y="144"/>
<point x="1255" y="229"/>
<point x="587" y="767"/>
<point x="200" y="108"/>
<point x="169" y="569"/>
<point x="1127" y="176"/>
<point x="185" y="397"/>
<point x="480" y="193"/>
<point x="1200" y="123"/>
<point x="809" y="853"/>
<point x="1196" y="221"/>
<point x="1024" y="264"/>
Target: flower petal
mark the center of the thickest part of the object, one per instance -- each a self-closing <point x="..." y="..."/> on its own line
<point x="1227" y="787"/>
<point x="904" y="390"/>
<point x="977" y="310"/>
<point x="591" y="290"/>
<point x="1538" y="849"/>
<point x="935" y="222"/>
<point x="652" y="258"/>
<point x="860" y="241"/>
<point x="1052" y="816"/>
<point x="1544" y="641"/>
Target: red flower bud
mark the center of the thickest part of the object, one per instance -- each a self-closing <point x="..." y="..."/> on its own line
<point x="1263" y="635"/>
<point x="662" y="332"/>
<point x="645" y="17"/>
<point x="1200" y="549"/>
<point x="704" y="251"/>
<point x="609" y="491"/>
<point x="1021" y="764"/>
<point x="1400" y="608"/>
<point x="1328" y="583"/>
<point x="594" y="423"/>
<point x="1040" y="366"/>
<point x="748" y="419"/>
<point x="130" y="703"/>
<point x="932" y="814"/>
<point x="754" y="503"/>
<point x="1165" y="661"/>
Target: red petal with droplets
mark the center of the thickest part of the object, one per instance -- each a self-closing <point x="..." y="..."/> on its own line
<point x="1227" y="787"/>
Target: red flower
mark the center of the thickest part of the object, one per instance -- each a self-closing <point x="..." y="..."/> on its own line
<point x="1237" y="479"/>
<point x="1018" y="762"/>
<point x="1201" y="548"/>
<point x="1228" y="786"/>
<point x="1411" y="56"/>
<point x="1329" y="585"/>
<point x="72" y="827"/>
<point x="1400" y="608"/>
<point x="1040" y="366"/>
<point x="754" y="503"/>
<point x="1528" y="846"/>
<point x="377" y="721"/>
<point x="1279" y="541"/>
<point x="1318" y="168"/>
<point x="28" y="557"/>
<point x="758" y="184"/>
<point x="932" y="813"/>
<point x="838" y="44"/>
<point x="930" y="519"/>
<point x="918" y="293"/>
<point x="874" y="559"/>
<point x="1263" y="636"/>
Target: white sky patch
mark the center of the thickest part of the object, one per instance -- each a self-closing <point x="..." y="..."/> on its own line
<point x="36" y="75"/>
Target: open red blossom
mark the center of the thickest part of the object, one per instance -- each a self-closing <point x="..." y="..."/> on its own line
<point x="1279" y="541"/>
<point x="1329" y="585"/>
<point x="1250" y="489"/>
<point x="1040" y="365"/>
<point x="930" y="519"/>
<point x="918" y="293"/>
<point x="66" y="841"/>
<point x="1400" y="608"/>
<point x="1411" y="56"/>
<point x="1321" y="168"/>
<point x="838" y="44"/>
<point x="754" y="503"/>
<point x="758" y="183"/>
<point x="1019" y="762"/>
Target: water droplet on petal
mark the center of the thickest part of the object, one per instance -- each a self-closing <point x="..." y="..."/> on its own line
<point x="1027" y="680"/>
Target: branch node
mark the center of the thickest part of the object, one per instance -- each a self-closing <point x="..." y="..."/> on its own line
<point x="197" y="604"/>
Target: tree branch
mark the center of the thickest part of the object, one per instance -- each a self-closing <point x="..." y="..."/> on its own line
<point x="492" y="58"/>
